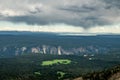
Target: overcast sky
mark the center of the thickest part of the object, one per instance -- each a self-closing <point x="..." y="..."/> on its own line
<point x="76" y="16"/>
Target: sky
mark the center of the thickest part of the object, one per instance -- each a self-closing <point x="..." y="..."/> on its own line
<point x="72" y="16"/>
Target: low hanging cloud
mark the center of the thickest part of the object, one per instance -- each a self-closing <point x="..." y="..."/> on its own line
<point x="112" y="3"/>
<point x="77" y="13"/>
<point x="60" y="28"/>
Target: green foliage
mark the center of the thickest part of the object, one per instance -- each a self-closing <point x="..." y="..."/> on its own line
<point x="37" y="73"/>
<point x="61" y="74"/>
<point x="56" y="61"/>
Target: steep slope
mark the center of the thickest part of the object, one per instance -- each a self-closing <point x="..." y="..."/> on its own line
<point x="109" y="74"/>
<point x="115" y="76"/>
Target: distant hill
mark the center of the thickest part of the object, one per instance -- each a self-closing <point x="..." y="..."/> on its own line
<point x="18" y="43"/>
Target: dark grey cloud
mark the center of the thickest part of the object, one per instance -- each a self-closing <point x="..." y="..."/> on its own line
<point x="112" y="3"/>
<point x="78" y="9"/>
<point x="96" y="21"/>
<point x="79" y="13"/>
<point x="86" y="22"/>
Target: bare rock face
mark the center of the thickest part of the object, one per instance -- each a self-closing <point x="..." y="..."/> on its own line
<point x="108" y="74"/>
<point x="80" y="78"/>
<point x="115" y="76"/>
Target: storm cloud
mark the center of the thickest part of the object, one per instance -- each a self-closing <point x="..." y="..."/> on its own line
<point x="77" y="13"/>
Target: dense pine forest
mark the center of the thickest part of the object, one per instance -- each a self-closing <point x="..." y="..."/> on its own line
<point x="29" y="67"/>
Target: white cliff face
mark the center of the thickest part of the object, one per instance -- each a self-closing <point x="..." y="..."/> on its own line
<point x="23" y="49"/>
<point x="59" y="50"/>
<point x="82" y="49"/>
<point x="67" y="52"/>
<point x="53" y="50"/>
<point x="48" y="49"/>
<point x="35" y="50"/>
<point x="44" y="49"/>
